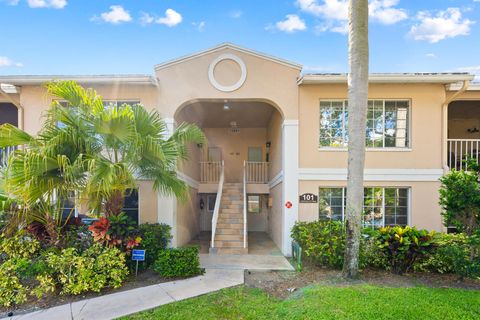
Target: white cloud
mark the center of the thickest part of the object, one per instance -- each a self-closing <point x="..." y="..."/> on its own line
<point x="116" y="15"/>
<point x="236" y="14"/>
<point x="55" y="4"/>
<point x="200" y="26"/>
<point x="171" y="19"/>
<point x="291" y="24"/>
<point x="445" y="24"/>
<point x="431" y="55"/>
<point x="146" y="18"/>
<point x="384" y="11"/>
<point x="335" y="13"/>
<point x="12" y="2"/>
<point x="7" y="62"/>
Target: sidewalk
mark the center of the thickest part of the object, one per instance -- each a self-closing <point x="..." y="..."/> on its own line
<point x="128" y="302"/>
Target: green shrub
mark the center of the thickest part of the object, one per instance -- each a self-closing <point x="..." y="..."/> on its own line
<point x="453" y="253"/>
<point x="78" y="237"/>
<point x="155" y="237"/>
<point x="12" y="291"/>
<point x="20" y="245"/>
<point x="321" y="241"/>
<point x="94" y="269"/>
<point x="404" y="246"/>
<point x="178" y="262"/>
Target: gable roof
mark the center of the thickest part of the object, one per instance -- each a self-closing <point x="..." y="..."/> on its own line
<point x="228" y="45"/>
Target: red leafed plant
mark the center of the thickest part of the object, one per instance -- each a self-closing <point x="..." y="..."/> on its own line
<point x="99" y="230"/>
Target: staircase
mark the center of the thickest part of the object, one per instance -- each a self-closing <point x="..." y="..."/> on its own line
<point x="230" y="224"/>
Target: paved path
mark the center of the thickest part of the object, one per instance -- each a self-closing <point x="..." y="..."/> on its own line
<point x="127" y="302"/>
<point x="245" y="261"/>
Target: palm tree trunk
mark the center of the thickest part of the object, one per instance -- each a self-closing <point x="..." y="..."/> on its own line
<point x="357" y="114"/>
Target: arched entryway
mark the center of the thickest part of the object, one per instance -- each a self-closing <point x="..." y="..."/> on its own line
<point x="245" y="136"/>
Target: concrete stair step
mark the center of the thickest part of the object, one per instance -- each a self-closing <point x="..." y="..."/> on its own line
<point x="229" y="237"/>
<point x="229" y="231"/>
<point x="229" y="244"/>
<point x="229" y="220"/>
<point x="229" y="225"/>
<point x="227" y="215"/>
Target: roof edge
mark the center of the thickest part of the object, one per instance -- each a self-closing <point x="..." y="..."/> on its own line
<point x="443" y="78"/>
<point x="228" y="45"/>
<point x="140" y="79"/>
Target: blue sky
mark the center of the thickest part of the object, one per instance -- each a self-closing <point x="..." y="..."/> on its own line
<point x="130" y="36"/>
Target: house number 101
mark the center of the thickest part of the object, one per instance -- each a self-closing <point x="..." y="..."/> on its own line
<point x="308" y="198"/>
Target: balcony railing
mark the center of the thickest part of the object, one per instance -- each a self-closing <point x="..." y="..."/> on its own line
<point x="210" y="171"/>
<point x="4" y="154"/>
<point x="256" y="172"/>
<point x="461" y="149"/>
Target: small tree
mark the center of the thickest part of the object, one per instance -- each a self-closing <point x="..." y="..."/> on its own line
<point x="460" y="201"/>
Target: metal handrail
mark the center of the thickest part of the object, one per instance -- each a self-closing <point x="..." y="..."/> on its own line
<point x="460" y="150"/>
<point x="244" y="204"/>
<point x="218" y="200"/>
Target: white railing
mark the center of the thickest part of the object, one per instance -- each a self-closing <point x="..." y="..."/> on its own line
<point x="210" y="171"/>
<point x="218" y="200"/>
<point x="5" y="154"/>
<point x="256" y="172"/>
<point x="245" y="204"/>
<point x="461" y="149"/>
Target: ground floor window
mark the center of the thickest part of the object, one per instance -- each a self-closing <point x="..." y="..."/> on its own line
<point x="382" y="206"/>
<point x="254" y="203"/>
<point x="130" y="205"/>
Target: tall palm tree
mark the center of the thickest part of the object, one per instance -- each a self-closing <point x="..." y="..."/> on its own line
<point x="93" y="151"/>
<point x="357" y="114"/>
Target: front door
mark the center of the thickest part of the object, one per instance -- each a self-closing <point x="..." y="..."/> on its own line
<point x="255" y="154"/>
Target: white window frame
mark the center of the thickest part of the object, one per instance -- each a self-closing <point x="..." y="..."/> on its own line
<point x="409" y="200"/>
<point x="408" y="146"/>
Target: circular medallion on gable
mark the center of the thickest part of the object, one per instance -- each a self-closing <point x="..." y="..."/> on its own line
<point x="227" y="72"/>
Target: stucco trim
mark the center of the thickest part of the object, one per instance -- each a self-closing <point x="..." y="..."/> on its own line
<point x="188" y="180"/>
<point x="236" y="85"/>
<point x="276" y="180"/>
<point x="442" y="78"/>
<point x="330" y="174"/>
<point x="133" y="79"/>
<point x="228" y="45"/>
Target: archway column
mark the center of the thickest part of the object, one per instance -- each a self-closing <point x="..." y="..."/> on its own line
<point x="290" y="153"/>
<point x="167" y="205"/>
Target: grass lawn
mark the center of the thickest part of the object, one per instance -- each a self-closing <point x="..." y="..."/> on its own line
<point x="326" y="302"/>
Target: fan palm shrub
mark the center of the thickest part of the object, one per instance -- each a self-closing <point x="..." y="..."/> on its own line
<point x="94" y="152"/>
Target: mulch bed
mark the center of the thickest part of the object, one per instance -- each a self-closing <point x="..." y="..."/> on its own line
<point x="145" y="278"/>
<point x="282" y="284"/>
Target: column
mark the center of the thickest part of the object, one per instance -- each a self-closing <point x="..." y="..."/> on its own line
<point x="290" y="152"/>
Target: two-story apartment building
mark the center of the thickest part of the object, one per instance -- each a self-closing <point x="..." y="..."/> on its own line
<point x="275" y="134"/>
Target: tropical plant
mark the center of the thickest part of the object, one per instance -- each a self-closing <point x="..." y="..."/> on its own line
<point x="357" y="114"/>
<point x="460" y="200"/>
<point x="92" y="151"/>
<point x="116" y="231"/>
<point x="404" y="246"/>
<point x="178" y="262"/>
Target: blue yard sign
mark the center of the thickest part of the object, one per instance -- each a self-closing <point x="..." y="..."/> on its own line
<point x="138" y="255"/>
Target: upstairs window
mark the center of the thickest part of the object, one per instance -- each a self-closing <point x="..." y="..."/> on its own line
<point x="387" y="124"/>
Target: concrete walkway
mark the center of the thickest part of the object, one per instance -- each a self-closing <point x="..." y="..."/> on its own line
<point x="245" y="261"/>
<point x="128" y="302"/>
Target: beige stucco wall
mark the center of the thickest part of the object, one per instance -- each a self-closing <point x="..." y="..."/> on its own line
<point x="234" y="147"/>
<point x="425" y="127"/>
<point x="424" y="208"/>
<point x="275" y="215"/>
<point x="187" y="218"/>
<point x="36" y="101"/>
<point x="274" y="135"/>
<point x="148" y="202"/>
<point x="192" y="77"/>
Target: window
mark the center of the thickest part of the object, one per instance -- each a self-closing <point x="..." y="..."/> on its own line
<point x="130" y="205"/>
<point x="211" y="198"/>
<point x="119" y="103"/>
<point x="254" y="203"/>
<point x="381" y="206"/>
<point x="387" y="124"/>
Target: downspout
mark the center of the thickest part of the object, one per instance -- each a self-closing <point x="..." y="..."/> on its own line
<point x="17" y="104"/>
<point x="445" y="104"/>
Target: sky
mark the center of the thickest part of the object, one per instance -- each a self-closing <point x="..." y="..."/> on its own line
<point x="75" y="37"/>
